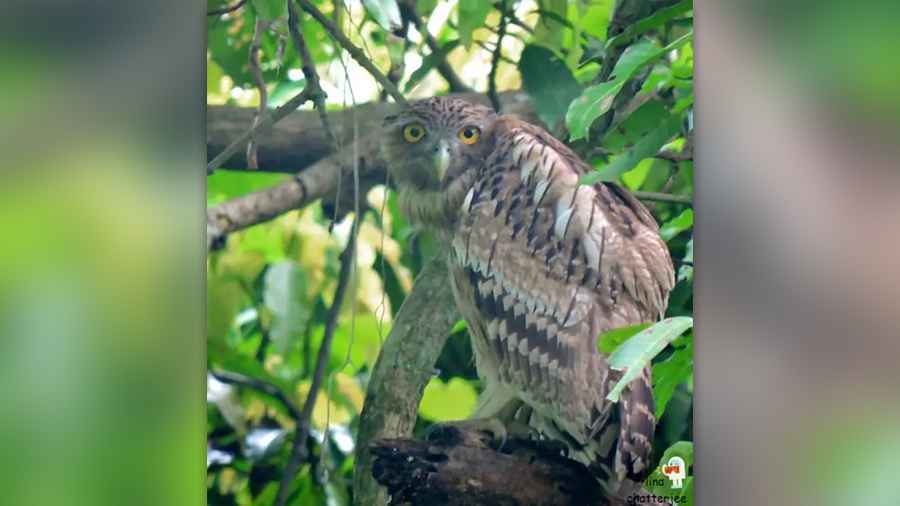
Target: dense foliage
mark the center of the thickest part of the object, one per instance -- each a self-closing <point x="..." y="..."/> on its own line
<point x="271" y="285"/>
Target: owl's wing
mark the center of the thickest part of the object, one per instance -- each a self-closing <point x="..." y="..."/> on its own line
<point x="550" y="265"/>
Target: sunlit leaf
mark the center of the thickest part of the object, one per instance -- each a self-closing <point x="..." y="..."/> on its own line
<point x="637" y="352"/>
<point x="285" y="296"/>
<point x="454" y="400"/>
<point x="385" y="12"/>
<point x="472" y="14"/>
<point x="609" y="341"/>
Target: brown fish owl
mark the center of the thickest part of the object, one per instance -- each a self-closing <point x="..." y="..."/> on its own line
<point x="541" y="266"/>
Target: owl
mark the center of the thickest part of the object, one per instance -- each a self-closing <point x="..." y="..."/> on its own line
<point x="540" y="266"/>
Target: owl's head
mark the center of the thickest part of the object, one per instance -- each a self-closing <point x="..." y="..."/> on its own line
<point x="433" y="142"/>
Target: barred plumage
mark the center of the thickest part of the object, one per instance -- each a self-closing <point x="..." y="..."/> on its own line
<point x="541" y="266"/>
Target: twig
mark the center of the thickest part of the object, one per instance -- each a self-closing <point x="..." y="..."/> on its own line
<point x="309" y="71"/>
<point x="495" y="60"/>
<point x="665" y="197"/>
<point x="686" y="153"/>
<point x="270" y="119"/>
<point x="234" y="378"/>
<point x="299" y="451"/>
<point x="354" y="51"/>
<point x="227" y="9"/>
<point x="261" y="26"/>
<point x="444" y="69"/>
<point x="521" y="24"/>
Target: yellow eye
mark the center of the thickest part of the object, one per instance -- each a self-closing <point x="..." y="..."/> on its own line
<point x="469" y="135"/>
<point x="413" y="133"/>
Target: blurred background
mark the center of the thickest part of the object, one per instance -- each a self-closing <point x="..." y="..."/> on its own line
<point x="103" y="355"/>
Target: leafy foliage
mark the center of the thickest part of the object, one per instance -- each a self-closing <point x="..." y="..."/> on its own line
<point x="270" y="287"/>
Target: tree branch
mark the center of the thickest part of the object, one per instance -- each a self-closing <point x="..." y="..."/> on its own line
<point x="664" y="197"/>
<point x="299" y="449"/>
<point x="227" y="9"/>
<point x="317" y="181"/>
<point x="455" y="84"/>
<point x="253" y="58"/>
<point x="354" y="51"/>
<point x="309" y="71"/>
<point x="270" y="119"/>
<point x="258" y="385"/>
<point x="495" y="60"/>
<point x="404" y="367"/>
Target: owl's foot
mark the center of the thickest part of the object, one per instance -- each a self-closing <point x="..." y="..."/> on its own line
<point x="481" y="432"/>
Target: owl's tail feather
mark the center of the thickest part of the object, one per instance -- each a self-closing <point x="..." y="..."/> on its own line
<point x="636" y="427"/>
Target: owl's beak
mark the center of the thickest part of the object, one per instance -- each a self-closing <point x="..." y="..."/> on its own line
<point x="442" y="159"/>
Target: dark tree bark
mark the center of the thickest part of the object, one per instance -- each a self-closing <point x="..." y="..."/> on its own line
<point x="459" y="473"/>
<point x="467" y="469"/>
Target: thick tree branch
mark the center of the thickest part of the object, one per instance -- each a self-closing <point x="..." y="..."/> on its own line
<point x="354" y="51"/>
<point x="465" y="469"/>
<point x="424" y="473"/>
<point x="404" y="366"/>
<point x="270" y="119"/>
<point x="317" y="181"/>
<point x="299" y="448"/>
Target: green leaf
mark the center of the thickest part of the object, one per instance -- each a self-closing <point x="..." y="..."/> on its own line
<point x="635" y="177"/>
<point x="686" y="272"/>
<point x="428" y="63"/>
<point x="472" y="14"/>
<point x="655" y="20"/>
<point x="284" y="91"/>
<point x="645" y="148"/>
<point x="385" y="12"/>
<point x="672" y="372"/>
<point x="424" y="7"/>
<point x="638" y="351"/>
<point x="549" y="83"/>
<point x="459" y="326"/>
<point x="593" y="103"/>
<point x="677" y="225"/>
<point x="454" y="400"/>
<point x="285" y="296"/>
<point x="597" y="100"/>
<point x="269" y="9"/>
<point x="609" y="341"/>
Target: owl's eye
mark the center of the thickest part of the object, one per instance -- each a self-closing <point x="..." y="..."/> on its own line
<point x="413" y="133"/>
<point x="469" y="134"/>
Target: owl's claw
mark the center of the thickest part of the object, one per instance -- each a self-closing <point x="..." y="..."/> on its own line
<point x="488" y="432"/>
